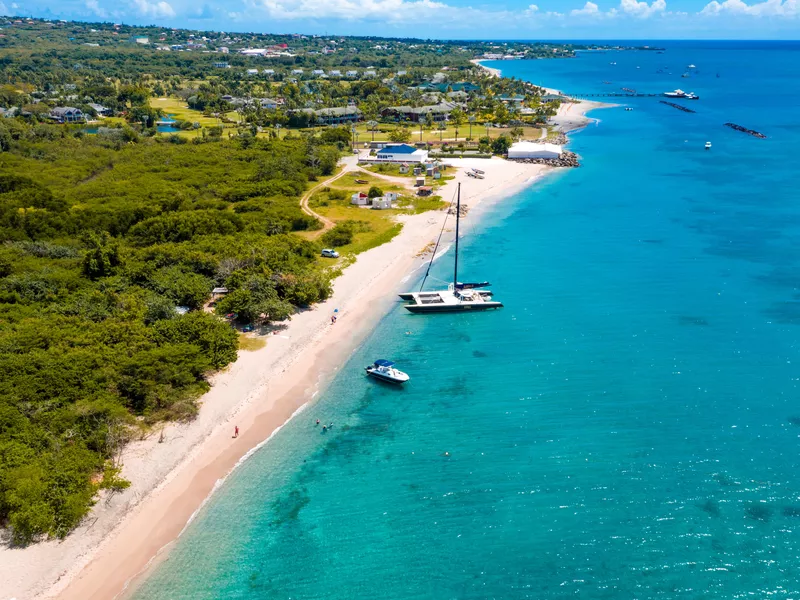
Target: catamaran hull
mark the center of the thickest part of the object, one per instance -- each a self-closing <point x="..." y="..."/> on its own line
<point x="450" y="308"/>
<point x="410" y="295"/>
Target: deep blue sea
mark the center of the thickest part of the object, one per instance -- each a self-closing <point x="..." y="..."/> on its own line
<point x="627" y="426"/>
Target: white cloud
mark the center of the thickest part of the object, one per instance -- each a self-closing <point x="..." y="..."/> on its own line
<point x="354" y="10"/>
<point x="769" y="8"/>
<point x="154" y="9"/>
<point x="532" y="9"/>
<point x="96" y="9"/>
<point x="589" y="9"/>
<point x="642" y="10"/>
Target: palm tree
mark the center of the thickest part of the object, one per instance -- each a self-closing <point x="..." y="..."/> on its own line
<point x="471" y="120"/>
<point x="441" y="128"/>
<point x="372" y="125"/>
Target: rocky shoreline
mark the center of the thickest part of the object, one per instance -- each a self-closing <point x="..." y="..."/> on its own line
<point x="567" y="160"/>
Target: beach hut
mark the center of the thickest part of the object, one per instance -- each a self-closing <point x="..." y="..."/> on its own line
<point x="359" y="199"/>
<point x="533" y="150"/>
<point x="420" y="181"/>
<point x="381" y="203"/>
<point x="403" y="168"/>
<point x="424" y="191"/>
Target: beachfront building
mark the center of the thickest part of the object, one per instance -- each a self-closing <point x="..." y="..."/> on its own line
<point x="402" y="153"/>
<point x="534" y="150"/>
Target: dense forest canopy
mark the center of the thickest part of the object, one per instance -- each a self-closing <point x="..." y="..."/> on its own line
<point x="103" y="241"/>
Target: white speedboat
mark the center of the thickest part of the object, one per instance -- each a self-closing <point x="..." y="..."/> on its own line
<point x="458" y="297"/>
<point x="384" y="370"/>
<point x="681" y="94"/>
<point x="708" y="145"/>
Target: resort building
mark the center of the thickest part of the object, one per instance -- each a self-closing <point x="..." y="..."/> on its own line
<point x="534" y="150"/>
<point x="402" y="153"/>
<point x="101" y="110"/>
<point x="334" y="116"/>
<point x="67" y="114"/>
<point x="439" y="112"/>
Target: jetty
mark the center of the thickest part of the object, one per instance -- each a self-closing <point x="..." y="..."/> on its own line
<point x="678" y="106"/>
<point x="752" y="132"/>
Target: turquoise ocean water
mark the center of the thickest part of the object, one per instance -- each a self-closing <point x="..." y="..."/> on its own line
<point x="626" y="427"/>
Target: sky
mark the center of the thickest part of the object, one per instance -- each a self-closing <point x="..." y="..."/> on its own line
<point x="446" y="19"/>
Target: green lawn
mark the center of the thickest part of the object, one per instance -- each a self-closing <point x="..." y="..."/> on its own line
<point x="434" y="135"/>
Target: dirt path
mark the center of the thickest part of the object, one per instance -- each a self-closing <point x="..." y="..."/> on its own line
<point x="350" y="164"/>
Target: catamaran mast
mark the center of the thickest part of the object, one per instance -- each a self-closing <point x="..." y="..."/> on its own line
<point x="458" y="216"/>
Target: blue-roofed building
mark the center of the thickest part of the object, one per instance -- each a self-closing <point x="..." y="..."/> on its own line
<point x="402" y="153"/>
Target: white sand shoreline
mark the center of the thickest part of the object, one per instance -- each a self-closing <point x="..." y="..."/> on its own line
<point x="260" y="392"/>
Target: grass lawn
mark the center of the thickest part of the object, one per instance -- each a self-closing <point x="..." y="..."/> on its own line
<point x="178" y="109"/>
<point x="348" y="182"/>
<point x="391" y="169"/>
<point x="433" y="135"/>
<point x="378" y="226"/>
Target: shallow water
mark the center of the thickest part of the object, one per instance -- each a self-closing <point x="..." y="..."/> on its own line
<point x="627" y="426"/>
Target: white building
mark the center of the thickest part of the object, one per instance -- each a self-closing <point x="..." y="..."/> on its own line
<point x="381" y="203"/>
<point x="533" y="150"/>
<point x="359" y="199"/>
<point x="402" y="153"/>
<point x="252" y="71"/>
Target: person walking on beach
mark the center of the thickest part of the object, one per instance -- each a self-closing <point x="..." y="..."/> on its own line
<point x="236" y="431"/>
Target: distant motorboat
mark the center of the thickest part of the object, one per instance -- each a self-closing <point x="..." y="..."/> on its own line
<point x="708" y="145"/>
<point x="691" y="67"/>
<point x="613" y="63"/>
<point x="628" y="108"/>
<point x="384" y="370"/>
<point x="685" y="75"/>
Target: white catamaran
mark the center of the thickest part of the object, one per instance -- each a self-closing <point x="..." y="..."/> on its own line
<point x="457" y="297"/>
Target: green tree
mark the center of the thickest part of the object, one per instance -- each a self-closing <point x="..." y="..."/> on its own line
<point x="102" y="257"/>
<point x="400" y="134"/>
<point x="501" y="144"/>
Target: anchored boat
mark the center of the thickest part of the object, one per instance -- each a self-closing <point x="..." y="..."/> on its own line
<point x="458" y="297"/>
<point x="384" y="370"/>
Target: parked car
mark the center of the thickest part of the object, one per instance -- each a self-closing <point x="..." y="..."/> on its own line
<point x="329" y="253"/>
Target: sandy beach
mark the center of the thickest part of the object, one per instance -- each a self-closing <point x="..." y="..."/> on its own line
<point x="571" y="114"/>
<point x="173" y="476"/>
